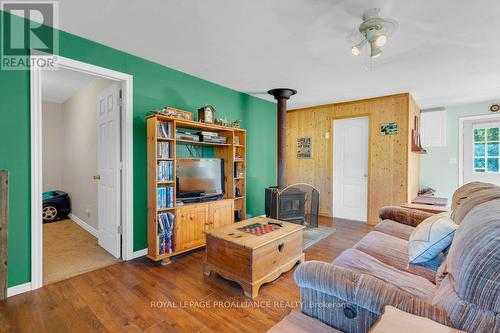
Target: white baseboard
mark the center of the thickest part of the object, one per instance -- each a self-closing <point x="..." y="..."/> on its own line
<point x="84" y="225"/>
<point x="19" y="289"/>
<point x="140" y="253"/>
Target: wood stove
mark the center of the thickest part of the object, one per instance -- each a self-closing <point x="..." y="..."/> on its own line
<point x="298" y="203"/>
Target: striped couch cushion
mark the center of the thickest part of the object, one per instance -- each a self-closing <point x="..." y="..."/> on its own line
<point x="471" y="291"/>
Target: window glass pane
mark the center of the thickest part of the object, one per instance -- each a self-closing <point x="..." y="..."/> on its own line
<point x="492" y="164"/>
<point x="479" y="149"/>
<point x="493" y="134"/>
<point x="479" y="134"/>
<point x="492" y="149"/>
<point x="479" y="164"/>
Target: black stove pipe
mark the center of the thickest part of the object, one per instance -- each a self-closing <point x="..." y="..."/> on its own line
<point x="282" y="95"/>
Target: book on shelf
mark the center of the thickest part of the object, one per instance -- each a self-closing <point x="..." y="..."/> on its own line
<point x="163" y="149"/>
<point x="165" y="197"/>
<point x="164" y="130"/>
<point x="165" y="232"/>
<point x="165" y="171"/>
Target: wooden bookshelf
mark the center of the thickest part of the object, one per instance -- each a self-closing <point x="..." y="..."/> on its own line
<point x="191" y="220"/>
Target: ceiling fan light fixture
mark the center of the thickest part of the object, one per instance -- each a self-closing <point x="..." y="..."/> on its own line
<point x="356" y="49"/>
<point x="381" y="40"/>
<point x="375" y="51"/>
<point x="374" y="30"/>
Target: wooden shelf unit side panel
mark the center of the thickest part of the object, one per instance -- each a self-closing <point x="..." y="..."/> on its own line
<point x="152" y="157"/>
<point x="240" y="149"/>
<point x="153" y="246"/>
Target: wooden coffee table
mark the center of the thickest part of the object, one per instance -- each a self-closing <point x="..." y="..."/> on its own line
<point x="252" y="260"/>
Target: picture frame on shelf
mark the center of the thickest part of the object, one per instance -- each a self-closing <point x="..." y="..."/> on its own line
<point x="177" y="113"/>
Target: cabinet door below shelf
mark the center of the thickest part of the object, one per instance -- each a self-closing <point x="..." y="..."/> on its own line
<point x="190" y="227"/>
<point x="220" y="213"/>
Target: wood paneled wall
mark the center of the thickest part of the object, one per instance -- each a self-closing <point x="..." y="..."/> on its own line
<point x="393" y="175"/>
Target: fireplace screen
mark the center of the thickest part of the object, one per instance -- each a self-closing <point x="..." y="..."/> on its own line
<point x="298" y="203"/>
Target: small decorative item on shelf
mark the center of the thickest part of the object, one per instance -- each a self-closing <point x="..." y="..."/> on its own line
<point x="221" y="121"/>
<point x="206" y="114"/>
<point x="177" y="113"/>
<point x="237" y="192"/>
<point x="235" y="124"/>
<point x="236" y="140"/>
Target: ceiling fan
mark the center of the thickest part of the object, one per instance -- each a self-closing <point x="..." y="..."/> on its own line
<point x="374" y="30"/>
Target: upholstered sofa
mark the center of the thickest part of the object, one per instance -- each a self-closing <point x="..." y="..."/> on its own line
<point x="463" y="291"/>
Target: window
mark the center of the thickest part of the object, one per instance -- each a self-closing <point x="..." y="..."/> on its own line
<point x="486" y="143"/>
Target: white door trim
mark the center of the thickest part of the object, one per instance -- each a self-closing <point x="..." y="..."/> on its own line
<point x="36" y="158"/>
<point x="461" y="141"/>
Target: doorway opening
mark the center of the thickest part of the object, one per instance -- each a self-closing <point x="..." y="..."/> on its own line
<point x="81" y="139"/>
<point x="479" y="141"/>
<point x="350" y="168"/>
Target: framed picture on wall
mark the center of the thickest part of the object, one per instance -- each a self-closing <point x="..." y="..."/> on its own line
<point x="389" y="128"/>
<point x="304" y="147"/>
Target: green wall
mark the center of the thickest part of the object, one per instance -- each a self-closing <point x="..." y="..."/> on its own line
<point x="438" y="158"/>
<point x="154" y="86"/>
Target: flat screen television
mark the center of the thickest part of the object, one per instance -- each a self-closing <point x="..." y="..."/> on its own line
<point x="199" y="178"/>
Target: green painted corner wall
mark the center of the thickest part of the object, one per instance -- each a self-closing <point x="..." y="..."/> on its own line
<point x="154" y="86"/>
<point x="437" y="158"/>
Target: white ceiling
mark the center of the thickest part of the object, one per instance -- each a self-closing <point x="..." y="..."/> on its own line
<point x="59" y="85"/>
<point x="444" y="52"/>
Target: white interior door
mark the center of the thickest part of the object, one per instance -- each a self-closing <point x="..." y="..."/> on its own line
<point x="481" y="150"/>
<point x="350" y="168"/>
<point x="108" y="147"/>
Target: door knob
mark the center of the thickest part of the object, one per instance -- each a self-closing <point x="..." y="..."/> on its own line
<point x="96" y="177"/>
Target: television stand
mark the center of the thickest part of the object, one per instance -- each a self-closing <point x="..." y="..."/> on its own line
<point x="174" y="229"/>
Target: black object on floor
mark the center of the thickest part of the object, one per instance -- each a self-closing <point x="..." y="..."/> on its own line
<point x="56" y="206"/>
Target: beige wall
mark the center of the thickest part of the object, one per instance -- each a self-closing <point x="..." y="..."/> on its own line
<point x="393" y="169"/>
<point x="52" y="145"/>
<point x="76" y="148"/>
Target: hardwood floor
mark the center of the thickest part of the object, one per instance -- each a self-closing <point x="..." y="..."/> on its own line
<point x="139" y="296"/>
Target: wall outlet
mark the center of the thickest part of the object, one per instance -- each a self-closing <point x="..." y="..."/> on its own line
<point x="327" y="135"/>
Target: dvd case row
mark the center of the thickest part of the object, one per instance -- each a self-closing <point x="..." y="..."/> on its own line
<point x="165" y="232"/>
<point x="164" y="129"/>
<point x="165" y="197"/>
<point x="163" y="149"/>
<point x="165" y="171"/>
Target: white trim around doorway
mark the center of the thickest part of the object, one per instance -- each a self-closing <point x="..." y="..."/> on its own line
<point x="36" y="159"/>
<point x="461" y="141"/>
